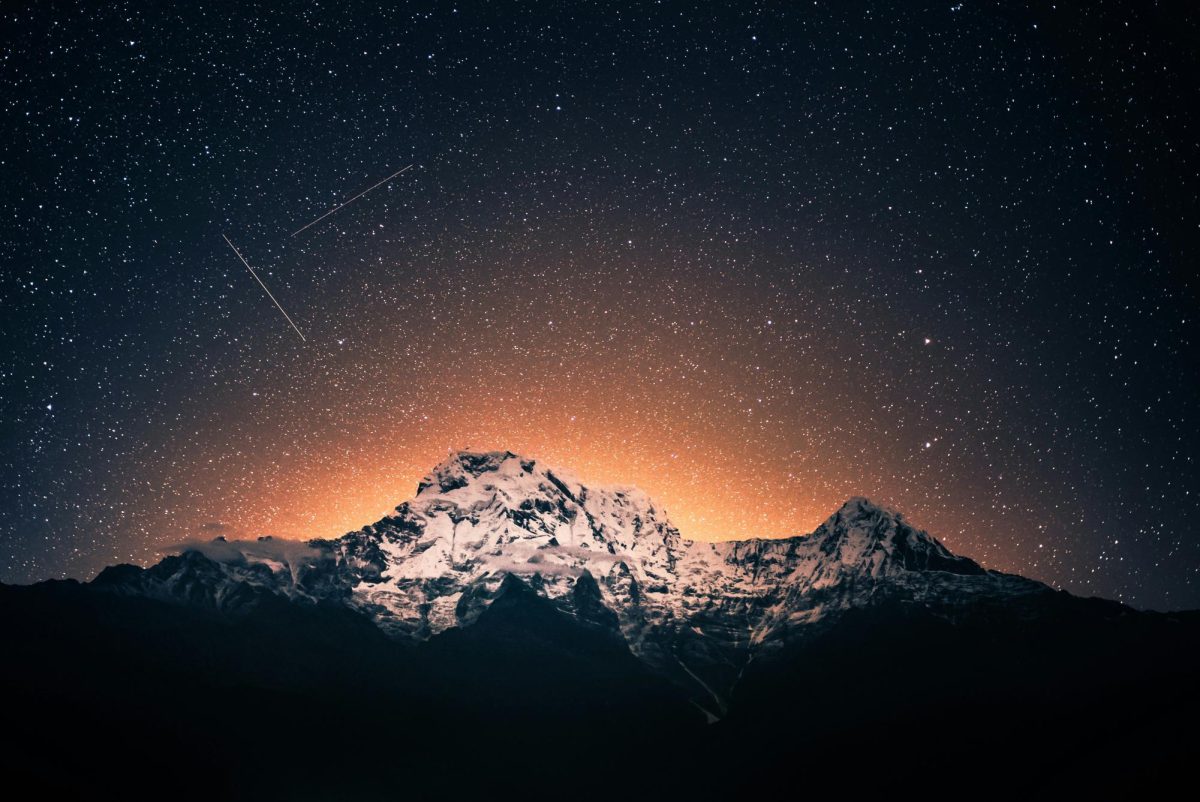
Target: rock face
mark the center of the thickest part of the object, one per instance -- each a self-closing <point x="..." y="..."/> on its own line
<point x="609" y="556"/>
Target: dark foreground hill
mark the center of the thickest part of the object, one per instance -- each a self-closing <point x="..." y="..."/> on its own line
<point x="111" y="696"/>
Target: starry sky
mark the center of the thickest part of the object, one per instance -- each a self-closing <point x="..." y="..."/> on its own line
<point x="753" y="257"/>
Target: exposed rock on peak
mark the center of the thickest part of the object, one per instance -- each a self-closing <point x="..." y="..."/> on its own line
<point x="876" y="540"/>
<point x="860" y="507"/>
<point x="458" y="469"/>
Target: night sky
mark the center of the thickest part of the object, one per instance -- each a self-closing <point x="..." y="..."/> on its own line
<point x="753" y="260"/>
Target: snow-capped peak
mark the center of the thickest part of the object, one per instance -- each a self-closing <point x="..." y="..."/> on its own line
<point x="480" y="515"/>
<point x="877" y="540"/>
<point x="861" y="507"/>
<point x="539" y="499"/>
<point x="461" y="468"/>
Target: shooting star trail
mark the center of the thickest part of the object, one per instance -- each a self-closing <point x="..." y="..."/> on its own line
<point x="264" y="286"/>
<point x="352" y="200"/>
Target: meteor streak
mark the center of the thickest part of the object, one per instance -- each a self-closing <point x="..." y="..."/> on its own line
<point x="264" y="286"/>
<point x="352" y="200"/>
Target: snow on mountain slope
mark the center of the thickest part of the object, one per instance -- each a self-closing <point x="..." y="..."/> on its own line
<point x="698" y="611"/>
<point x="476" y="517"/>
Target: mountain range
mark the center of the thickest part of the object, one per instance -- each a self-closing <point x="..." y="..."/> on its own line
<point x="510" y="627"/>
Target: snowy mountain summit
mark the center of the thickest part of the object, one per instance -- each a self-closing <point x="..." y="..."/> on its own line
<point x="477" y="517"/>
<point x="607" y="556"/>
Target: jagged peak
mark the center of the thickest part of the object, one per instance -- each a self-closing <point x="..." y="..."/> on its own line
<point x="500" y="493"/>
<point x="460" y="467"/>
<point x="464" y="467"/>
<point x="861" y="507"/>
<point x="874" y="521"/>
<point x="874" y="526"/>
<point x="857" y="512"/>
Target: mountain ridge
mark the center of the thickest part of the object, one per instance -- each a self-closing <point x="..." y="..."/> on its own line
<point x="511" y="624"/>
<point x="696" y="612"/>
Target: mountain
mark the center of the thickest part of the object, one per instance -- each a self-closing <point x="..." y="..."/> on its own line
<point x="512" y="618"/>
<point x="696" y="612"/>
